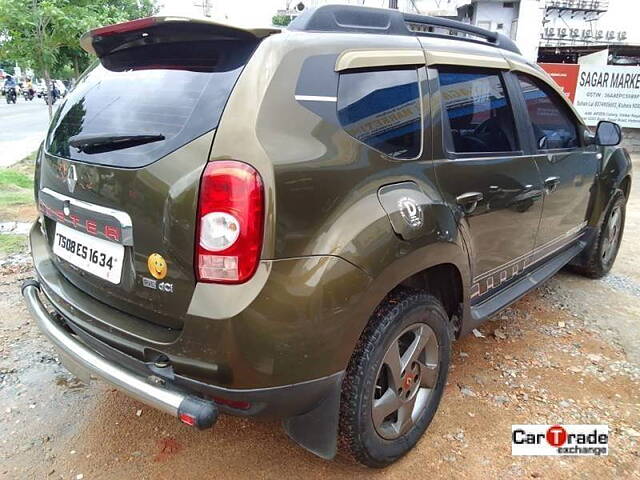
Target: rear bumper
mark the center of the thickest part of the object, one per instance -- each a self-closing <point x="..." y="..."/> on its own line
<point x="298" y="329"/>
<point x="89" y="329"/>
<point x="88" y="358"/>
<point x="79" y="357"/>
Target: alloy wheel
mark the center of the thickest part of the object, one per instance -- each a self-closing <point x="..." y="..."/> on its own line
<point x="405" y="380"/>
<point x="612" y="235"/>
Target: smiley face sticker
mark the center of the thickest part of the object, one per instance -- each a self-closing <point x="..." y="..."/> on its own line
<point x="157" y="266"/>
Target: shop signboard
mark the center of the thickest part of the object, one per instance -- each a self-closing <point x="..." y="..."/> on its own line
<point x="601" y="92"/>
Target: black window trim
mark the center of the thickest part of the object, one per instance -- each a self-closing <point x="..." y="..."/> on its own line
<point x="447" y="137"/>
<point x="420" y="79"/>
<point x="519" y="97"/>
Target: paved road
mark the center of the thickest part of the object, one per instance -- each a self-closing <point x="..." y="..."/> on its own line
<point x="22" y="128"/>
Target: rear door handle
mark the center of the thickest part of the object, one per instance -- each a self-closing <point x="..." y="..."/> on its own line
<point x="551" y="184"/>
<point x="469" y="201"/>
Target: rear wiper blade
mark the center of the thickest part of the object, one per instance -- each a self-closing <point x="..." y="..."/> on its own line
<point x="106" y="143"/>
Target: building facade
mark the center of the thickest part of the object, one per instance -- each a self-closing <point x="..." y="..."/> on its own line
<point x="553" y="27"/>
<point x="557" y="26"/>
<point x="520" y="20"/>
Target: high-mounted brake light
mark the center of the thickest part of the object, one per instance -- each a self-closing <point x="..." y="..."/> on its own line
<point x="229" y="224"/>
<point x="124" y="27"/>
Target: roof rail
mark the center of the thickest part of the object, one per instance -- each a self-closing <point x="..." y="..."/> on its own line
<point x="357" y="19"/>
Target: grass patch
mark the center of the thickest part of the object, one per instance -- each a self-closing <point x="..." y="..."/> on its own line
<point x="10" y="243"/>
<point x="27" y="165"/>
<point x="10" y="177"/>
<point x="16" y="183"/>
<point x="16" y="198"/>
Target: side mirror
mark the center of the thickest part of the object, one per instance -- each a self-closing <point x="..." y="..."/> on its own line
<point x="608" y="134"/>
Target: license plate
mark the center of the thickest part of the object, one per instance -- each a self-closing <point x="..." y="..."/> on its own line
<point x="94" y="255"/>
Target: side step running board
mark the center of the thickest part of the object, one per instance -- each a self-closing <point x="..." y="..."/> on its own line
<point x="482" y="311"/>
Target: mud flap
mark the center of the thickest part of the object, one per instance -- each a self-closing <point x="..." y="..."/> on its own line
<point x="317" y="430"/>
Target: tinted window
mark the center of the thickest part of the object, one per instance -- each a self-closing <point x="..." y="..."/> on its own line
<point x="552" y="124"/>
<point x="176" y="90"/>
<point x="382" y="109"/>
<point x="478" y="112"/>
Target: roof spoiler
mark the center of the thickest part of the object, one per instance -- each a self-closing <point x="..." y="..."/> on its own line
<point x="102" y="41"/>
<point x="356" y="19"/>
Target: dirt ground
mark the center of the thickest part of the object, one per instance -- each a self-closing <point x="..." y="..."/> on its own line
<point x="568" y="352"/>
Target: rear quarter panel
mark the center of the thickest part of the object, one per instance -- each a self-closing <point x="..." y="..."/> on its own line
<point x="322" y="184"/>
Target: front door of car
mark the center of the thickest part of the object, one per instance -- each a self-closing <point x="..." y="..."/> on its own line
<point x="484" y="171"/>
<point x="568" y="168"/>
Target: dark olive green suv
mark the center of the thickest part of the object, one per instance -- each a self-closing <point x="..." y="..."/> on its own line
<point x="298" y="223"/>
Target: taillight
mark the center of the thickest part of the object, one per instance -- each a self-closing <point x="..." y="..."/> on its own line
<point x="229" y="224"/>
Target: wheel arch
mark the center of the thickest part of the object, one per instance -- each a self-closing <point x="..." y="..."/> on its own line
<point x="614" y="175"/>
<point x="445" y="282"/>
<point x="625" y="186"/>
<point x="441" y="268"/>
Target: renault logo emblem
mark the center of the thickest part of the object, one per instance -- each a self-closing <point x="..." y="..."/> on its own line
<point x="72" y="178"/>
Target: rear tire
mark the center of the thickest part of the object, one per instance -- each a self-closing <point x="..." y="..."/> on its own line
<point x="600" y="255"/>
<point x="384" y="410"/>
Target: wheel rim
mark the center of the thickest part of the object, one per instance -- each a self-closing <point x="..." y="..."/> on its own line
<point x="405" y="381"/>
<point x="612" y="235"/>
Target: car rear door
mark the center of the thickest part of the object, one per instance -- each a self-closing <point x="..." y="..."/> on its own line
<point x="484" y="170"/>
<point x="121" y="166"/>
<point x="568" y="168"/>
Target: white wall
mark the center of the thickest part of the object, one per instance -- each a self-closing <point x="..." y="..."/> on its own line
<point x="596" y="58"/>
<point x="527" y="13"/>
<point x="490" y="15"/>
<point x="622" y="15"/>
<point x="529" y="28"/>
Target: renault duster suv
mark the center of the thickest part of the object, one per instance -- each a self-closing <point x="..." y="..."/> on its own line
<point x="298" y="223"/>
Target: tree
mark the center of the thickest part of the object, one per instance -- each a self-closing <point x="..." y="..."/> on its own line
<point x="8" y="67"/>
<point x="281" y="20"/>
<point x="44" y="34"/>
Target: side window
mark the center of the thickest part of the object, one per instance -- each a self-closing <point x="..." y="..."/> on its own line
<point x="553" y="126"/>
<point x="382" y="109"/>
<point x="477" y="110"/>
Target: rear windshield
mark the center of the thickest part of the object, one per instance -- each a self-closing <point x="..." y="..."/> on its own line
<point x="172" y="92"/>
